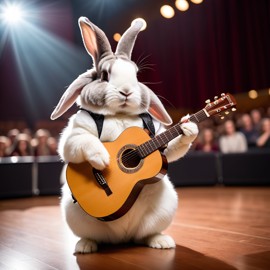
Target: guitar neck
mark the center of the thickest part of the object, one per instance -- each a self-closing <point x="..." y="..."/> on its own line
<point x="162" y="139"/>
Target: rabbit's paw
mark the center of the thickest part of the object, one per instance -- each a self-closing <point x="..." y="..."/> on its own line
<point x="161" y="241"/>
<point x="86" y="246"/>
<point x="190" y="131"/>
<point x="99" y="159"/>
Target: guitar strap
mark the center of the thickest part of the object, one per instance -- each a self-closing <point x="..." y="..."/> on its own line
<point x="146" y="118"/>
<point x="98" y="118"/>
<point x="148" y="124"/>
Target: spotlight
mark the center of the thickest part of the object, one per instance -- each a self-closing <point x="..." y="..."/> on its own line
<point x="12" y="13"/>
<point x="182" y="5"/>
<point x="167" y="11"/>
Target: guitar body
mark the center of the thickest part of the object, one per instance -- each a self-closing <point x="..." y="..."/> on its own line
<point x="109" y="194"/>
<point x="125" y="176"/>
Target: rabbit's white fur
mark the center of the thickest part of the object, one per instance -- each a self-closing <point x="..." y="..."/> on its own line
<point x="155" y="207"/>
<point x="120" y="98"/>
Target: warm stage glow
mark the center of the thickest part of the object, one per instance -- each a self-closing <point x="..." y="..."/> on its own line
<point x="253" y="94"/>
<point x="197" y="1"/>
<point x="182" y="5"/>
<point x="167" y="11"/>
<point x="116" y="37"/>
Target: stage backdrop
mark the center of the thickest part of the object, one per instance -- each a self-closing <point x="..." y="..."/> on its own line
<point x="219" y="45"/>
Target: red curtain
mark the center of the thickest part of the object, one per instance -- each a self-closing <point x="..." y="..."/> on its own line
<point x="217" y="46"/>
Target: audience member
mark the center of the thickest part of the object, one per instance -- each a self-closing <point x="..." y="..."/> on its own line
<point x="41" y="147"/>
<point x="4" y="145"/>
<point x="263" y="140"/>
<point x="256" y="117"/>
<point x="206" y="141"/>
<point x="52" y="143"/>
<point x="12" y="134"/>
<point x="267" y="112"/>
<point x="247" y="128"/>
<point x="21" y="146"/>
<point x="232" y="141"/>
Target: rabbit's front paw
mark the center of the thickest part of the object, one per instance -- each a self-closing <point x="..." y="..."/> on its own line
<point x="190" y="132"/>
<point x="161" y="241"/>
<point x="86" y="246"/>
<point x="99" y="159"/>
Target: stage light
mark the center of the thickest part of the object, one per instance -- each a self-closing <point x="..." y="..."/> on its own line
<point x="182" y="5"/>
<point x="116" y="37"/>
<point x="12" y="13"/>
<point x="44" y="61"/>
<point x="253" y="94"/>
<point x="167" y="11"/>
<point x="197" y="1"/>
<point x="142" y="20"/>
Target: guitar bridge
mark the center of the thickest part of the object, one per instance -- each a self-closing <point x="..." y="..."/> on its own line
<point x="102" y="181"/>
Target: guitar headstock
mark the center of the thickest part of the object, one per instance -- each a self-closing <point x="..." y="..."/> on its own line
<point x="219" y="105"/>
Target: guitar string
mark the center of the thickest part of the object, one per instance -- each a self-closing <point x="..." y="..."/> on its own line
<point x="129" y="156"/>
<point x="148" y="145"/>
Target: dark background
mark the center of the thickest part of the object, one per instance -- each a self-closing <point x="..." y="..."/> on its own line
<point x="214" y="47"/>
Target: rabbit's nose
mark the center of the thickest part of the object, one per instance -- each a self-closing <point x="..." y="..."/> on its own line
<point x="125" y="93"/>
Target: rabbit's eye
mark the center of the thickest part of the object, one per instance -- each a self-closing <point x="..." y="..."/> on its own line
<point x="104" y="76"/>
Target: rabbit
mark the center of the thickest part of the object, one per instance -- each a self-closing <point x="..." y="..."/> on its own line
<point x="111" y="88"/>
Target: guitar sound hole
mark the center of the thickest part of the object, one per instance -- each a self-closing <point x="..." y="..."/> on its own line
<point x="130" y="158"/>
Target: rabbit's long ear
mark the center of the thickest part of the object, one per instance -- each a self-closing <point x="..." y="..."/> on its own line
<point x="157" y="110"/>
<point x="94" y="39"/>
<point x="71" y="94"/>
<point x="126" y="43"/>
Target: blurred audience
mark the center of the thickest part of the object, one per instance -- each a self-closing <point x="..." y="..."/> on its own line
<point x="21" y="146"/>
<point x="241" y="132"/>
<point x="17" y="143"/>
<point x="232" y="141"/>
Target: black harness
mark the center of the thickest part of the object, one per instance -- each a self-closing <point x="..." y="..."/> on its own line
<point x="146" y="118"/>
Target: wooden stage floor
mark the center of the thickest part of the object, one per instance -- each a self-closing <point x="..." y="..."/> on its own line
<point x="214" y="228"/>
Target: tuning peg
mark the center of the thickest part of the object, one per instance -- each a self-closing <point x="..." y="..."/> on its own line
<point x="222" y="117"/>
<point x="222" y="94"/>
<point x="207" y="101"/>
<point x="233" y="109"/>
<point x="227" y="112"/>
<point x="216" y="97"/>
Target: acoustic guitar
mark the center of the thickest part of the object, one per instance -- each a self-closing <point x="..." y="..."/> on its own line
<point x="135" y="161"/>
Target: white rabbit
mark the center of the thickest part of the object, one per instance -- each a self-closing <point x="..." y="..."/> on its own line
<point x="111" y="89"/>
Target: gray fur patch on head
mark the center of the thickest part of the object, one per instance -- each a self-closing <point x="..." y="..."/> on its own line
<point x="93" y="95"/>
<point x="106" y="63"/>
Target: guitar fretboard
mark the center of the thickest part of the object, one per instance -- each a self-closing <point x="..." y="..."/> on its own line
<point x="162" y="139"/>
